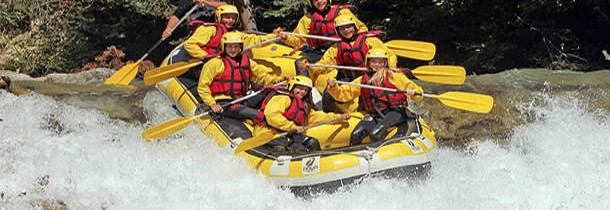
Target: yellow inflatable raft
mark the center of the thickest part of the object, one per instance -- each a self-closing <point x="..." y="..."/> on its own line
<point x="337" y="164"/>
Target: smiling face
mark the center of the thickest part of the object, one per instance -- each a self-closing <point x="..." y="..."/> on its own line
<point x="347" y="31"/>
<point x="228" y="19"/>
<point x="232" y="49"/>
<point x="377" y="64"/>
<point x="321" y="5"/>
<point x="300" y="91"/>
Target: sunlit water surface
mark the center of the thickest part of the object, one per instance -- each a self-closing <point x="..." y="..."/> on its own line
<point x="52" y="150"/>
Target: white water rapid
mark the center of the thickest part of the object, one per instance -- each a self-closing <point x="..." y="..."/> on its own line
<point x="52" y="150"/>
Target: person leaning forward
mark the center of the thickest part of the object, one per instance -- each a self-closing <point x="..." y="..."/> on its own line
<point x="205" y="41"/>
<point x="291" y="110"/>
<point x="350" y="51"/>
<point x="229" y="76"/>
<point x="385" y="109"/>
<point x="319" y="20"/>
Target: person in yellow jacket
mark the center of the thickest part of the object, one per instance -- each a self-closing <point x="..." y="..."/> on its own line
<point x="385" y="109"/>
<point x="350" y="51"/>
<point x="205" y="41"/>
<point x="291" y="110"/>
<point x="229" y="76"/>
<point x="320" y="21"/>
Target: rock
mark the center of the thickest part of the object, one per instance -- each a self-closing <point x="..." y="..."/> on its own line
<point x="15" y="76"/>
<point x="511" y="89"/>
<point x="85" y="77"/>
<point x="90" y="76"/>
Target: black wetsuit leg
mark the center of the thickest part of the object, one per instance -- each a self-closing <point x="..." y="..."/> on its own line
<point x="232" y="120"/>
<point x="312" y="56"/>
<point x="362" y="129"/>
<point x="391" y="118"/>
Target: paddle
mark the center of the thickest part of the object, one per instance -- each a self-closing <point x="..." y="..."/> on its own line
<point x="404" y="48"/>
<point x="163" y="73"/>
<point x="412" y="49"/>
<point x="264" y="138"/>
<point x="460" y="100"/>
<point x="444" y="74"/>
<point x="127" y="73"/>
<point x="165" y="129"/>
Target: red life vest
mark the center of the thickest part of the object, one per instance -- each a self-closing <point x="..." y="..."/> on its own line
<point x="324" y="26"/>
<point x="235" y="79"/>
<point x="374" y="99"/>
<point x="213" y="45"/>
<point x="295" y="112"/>
<point x="349" y="55"/>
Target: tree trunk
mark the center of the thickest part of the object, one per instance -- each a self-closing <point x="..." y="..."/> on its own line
<point x="245" y="13"/>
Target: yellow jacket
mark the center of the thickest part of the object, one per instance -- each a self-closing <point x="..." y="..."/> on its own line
<point x="330" y="56"/>
<point x="203" y="34"/>
<point x="215" y="67"/>
<point x="305" y="22"/>
<point x="274" y="116"/>
<point x="345" y="93"/>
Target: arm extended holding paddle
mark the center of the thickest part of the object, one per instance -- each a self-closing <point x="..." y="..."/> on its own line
<point x="127" y="73"/>
<point x="165" y="129"/>
<point x="443" y="74"/>
<point x="473" y="102"/>
<point x="418" y="50"/>
<point x="267" y="137"/>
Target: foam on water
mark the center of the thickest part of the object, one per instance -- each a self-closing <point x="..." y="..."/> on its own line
<point x="559" y="161"/>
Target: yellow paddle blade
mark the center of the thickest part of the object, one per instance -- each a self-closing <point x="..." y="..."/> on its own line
<point x="256" y="141"/>
<point x="124" y="75"/>
<point x="445" y="74"/>
<point x="412" y="49"/>
<point x="165" y="129"/>
<point x="466" y="101"/>
<point x="160" y="74"/>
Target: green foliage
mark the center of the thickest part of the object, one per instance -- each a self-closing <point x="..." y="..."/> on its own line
<point x="283" y="8"/>
<point x="13" y="17"/>
<point x="44" y="36"/>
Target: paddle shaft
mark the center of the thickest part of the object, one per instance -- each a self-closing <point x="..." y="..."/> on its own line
<point x="249" y="96"/>
<point x="339" y="67"/>
<point x="355" y="68"/>
<point x="257" y="141"/>
<point x="313" y="36"/>
<point x="313" y="125"/>
<point x="373" y="87"/>
<point x="261" y="43"/>
<point x="385" y="89"/>
<point x="318" y="37"/>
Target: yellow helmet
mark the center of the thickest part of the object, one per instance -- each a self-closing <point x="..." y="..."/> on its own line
<point x="376" y="53"/>
<point x="300" y="80"/>
<point x="343" y="20"/>
<point x="225" y="9"/>
<point x="230" y="38"/>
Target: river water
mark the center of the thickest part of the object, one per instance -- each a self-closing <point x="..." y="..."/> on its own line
<point x="80" y="158"/>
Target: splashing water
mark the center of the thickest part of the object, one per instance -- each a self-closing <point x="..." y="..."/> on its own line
<point x="51" y="150"/>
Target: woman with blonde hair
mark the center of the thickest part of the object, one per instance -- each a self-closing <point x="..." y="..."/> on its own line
<point x="385" y="109"/>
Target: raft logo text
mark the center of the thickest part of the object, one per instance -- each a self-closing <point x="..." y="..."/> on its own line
<point x="311" y="165"/>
